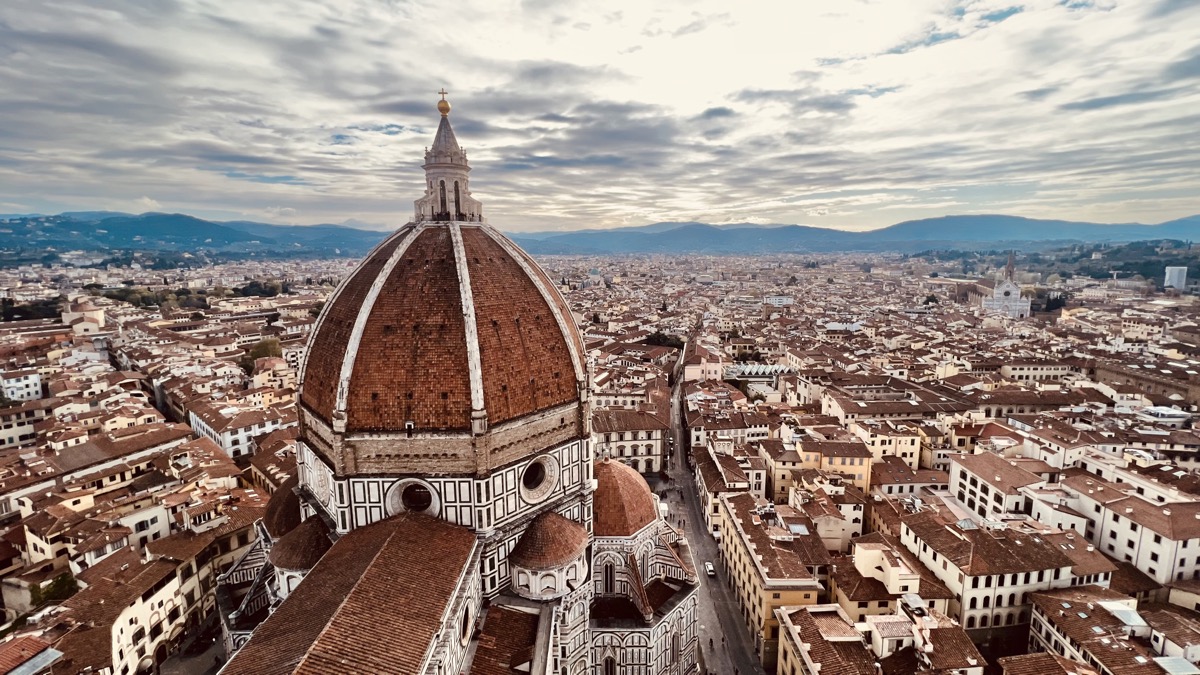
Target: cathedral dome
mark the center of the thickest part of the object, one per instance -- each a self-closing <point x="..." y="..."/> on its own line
<point x="623" y="503"/>
<point x="550" y="541"/>
<point x="440" y="326"/>
<point x="447" y="349"/>
<point x="283" y="509"/>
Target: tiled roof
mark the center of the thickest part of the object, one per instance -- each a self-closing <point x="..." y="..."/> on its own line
<point x="303" y="547"/>
<point x="374" y="600"/>
<point x="837" y="657"/>
<point x="20" y="650"/>
<point x="623" y="503"/>
<point x="550" y="541"/>
<point x="412" y="363"/>
<point x="506" y="641"/>
<point x="1044" y="663"/>
<point x="283" y="509"/>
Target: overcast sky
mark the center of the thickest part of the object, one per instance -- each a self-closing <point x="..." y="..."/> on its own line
<point x="836" y="113"/>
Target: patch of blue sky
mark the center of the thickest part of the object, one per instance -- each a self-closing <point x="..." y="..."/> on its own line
<point x="386" y="129"/>
<point x="1002" y="14"/>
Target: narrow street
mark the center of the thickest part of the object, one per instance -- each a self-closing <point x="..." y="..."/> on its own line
<point x="732" y="650"/>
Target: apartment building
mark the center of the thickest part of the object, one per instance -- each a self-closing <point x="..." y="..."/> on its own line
<point x="771" y="557"/>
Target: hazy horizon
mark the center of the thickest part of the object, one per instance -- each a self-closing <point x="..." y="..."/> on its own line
<point x="381" y="227"/>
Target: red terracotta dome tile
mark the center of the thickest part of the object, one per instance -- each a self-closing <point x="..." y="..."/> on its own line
<point x="622" y="503"/>
<point x="550" y="541"/>
<point x="428" y="349"/>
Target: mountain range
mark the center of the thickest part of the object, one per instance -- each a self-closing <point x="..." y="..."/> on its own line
<point x="961" y="232"/>
<point x="107" y="231"/>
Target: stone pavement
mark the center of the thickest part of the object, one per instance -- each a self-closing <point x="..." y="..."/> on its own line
<point x="732" y="648"/>
<point x="202" y="663"/>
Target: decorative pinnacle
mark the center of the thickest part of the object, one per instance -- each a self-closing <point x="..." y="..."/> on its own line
<point x="443" y="105"/>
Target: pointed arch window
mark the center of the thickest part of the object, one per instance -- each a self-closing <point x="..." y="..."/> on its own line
<point x="609" y="579"/>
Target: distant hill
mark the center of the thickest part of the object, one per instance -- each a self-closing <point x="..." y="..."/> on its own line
<point x="107" y="231"/>
<point x="964" y="232"/>
<point x="28" y="237"/>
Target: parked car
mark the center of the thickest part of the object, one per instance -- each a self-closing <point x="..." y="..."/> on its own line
<point x="709" y="569"/>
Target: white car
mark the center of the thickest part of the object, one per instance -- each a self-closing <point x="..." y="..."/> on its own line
<point x="709" y="569"/>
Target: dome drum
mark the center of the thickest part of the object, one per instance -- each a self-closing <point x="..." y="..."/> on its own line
<point x="550" y="559"/>
<point x="443" y="453"/>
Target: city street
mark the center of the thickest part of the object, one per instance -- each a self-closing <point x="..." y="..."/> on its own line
<point x="718" y="618"/>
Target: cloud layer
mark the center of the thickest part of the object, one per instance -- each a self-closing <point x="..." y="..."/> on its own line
<point x="838" y="113"/>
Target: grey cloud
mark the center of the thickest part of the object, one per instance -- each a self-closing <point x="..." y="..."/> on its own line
<point x="717" y="113"/>
<point x="1168" y="7"/>
<point x="801" y="100"/>
<point x="701" y="23"/>
<point x="332" y="117"/>
<point x="1186" y="68"/>
<point x="1129" y="98"/>
<point x="556" y="75"/>
<point x="1040" y="93"/>
<point x="52" y="47"/>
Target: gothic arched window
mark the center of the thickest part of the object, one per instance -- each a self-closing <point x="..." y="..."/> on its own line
<point x="609" y="578"/>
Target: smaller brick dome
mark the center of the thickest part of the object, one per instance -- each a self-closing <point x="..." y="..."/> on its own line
<point x="303" y="547"/>
<point x="549" y="542"/>
<point x="623" y="503"/>
<point x="283" y="509"/>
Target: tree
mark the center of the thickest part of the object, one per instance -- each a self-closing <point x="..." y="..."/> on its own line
<point x="315" y="310"/>
<point x="596" y="317"/>
<point x="62" y="587"/>
<point x="792" y="280"/>
<point x="1056" y="302"/>
<point x="197" y="316"/>
<point x="931" y="299"/>
<point x="933" y="275"/>
<point x="660" y="339"/>
<point x="267" y="347"/>
<point x="261" y="349"/>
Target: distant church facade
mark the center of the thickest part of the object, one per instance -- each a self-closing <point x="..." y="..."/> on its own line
<point x="1006" y="297"/>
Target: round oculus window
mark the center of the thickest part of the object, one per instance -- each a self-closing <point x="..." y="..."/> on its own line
<point x="464" y="629"/>
<point x="1007" y="293"/>
<point x="414" y="496"/>
<point x="534" y="476"/>
<point x="539" y="479"/>
<point x="322" y="488"/>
